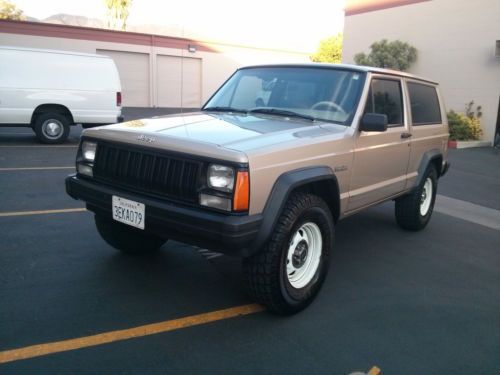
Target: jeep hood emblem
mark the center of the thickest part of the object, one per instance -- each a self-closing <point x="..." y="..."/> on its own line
<point x="145" y="138"/>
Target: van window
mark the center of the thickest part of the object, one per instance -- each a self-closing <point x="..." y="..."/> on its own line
<point x="424" y="104"/>
<point x="385" y="97"/>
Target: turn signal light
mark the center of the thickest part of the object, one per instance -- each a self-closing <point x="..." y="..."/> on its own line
<point x="241" y="192"/>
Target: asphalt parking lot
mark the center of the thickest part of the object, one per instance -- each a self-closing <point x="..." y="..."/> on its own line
<point x="408" y="303"/>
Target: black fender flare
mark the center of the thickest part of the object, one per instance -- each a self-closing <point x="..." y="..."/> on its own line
<point x="428" y="158"/>
<point x="283" y="187"/>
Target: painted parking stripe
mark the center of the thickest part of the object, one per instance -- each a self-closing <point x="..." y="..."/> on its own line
<point x="43" y="212"/>
<point x="474" y="213"/>
<point x="126" y="334"/>
<point x="33" y="168"/>
<point x="207" y="254"/>
<point x="374" y="371"/>
<point x="43" y="146"/>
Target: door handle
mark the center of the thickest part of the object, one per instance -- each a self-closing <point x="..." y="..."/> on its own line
<point x="405" y="135"/>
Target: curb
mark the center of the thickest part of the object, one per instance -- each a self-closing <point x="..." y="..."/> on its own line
<point x="468" y="144"/>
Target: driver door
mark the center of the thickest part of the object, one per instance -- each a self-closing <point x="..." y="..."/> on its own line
<point x="381" y="158"/>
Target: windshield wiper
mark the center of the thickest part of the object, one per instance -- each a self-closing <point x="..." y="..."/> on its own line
<point x="282" y="112"/>
<point x="223" y="109"/>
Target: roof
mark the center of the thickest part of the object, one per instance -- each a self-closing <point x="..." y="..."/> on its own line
<point x="356" y="68"/>
<point x="52" y="51"/>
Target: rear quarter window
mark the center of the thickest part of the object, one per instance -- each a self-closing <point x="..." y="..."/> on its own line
<point x="425" y="109"/>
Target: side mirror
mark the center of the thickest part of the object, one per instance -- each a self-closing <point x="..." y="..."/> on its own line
<point x="373" y="122"/>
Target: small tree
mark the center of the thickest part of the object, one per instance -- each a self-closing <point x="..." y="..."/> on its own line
<point x="329" y="50"/>
<point x="392" y="55"/>
<point x="118" y="10"/>
<point x="9" y="11"/>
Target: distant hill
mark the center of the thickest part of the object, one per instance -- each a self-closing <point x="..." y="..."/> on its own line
<point x="69" y="19"/>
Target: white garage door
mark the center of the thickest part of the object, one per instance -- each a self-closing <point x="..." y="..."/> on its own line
<point x="134" y="76"/>
<point x="179" y="81"/>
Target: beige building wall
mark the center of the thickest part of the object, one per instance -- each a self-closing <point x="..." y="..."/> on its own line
<point x="154" y="76"/>
<point x="455" y="40"/>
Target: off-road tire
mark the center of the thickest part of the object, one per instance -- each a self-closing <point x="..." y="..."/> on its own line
<point x="265" y="272"/>
<point x="43" y="136"/>
<point x="127" y="239"/>
<point x="407" y="207"/>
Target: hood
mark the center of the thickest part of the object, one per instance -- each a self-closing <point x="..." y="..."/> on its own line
<point x="232" y="132"/>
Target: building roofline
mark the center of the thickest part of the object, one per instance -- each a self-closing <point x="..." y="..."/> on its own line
<point x="117" y="36"/>
<point x="355" y="7"/>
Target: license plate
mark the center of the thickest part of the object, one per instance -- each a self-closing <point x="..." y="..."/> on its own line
<point x="128" y="212"/>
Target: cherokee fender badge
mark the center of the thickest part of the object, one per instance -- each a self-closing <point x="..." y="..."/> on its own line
<point x="340" y="168"/>
<point x="145" y="138"/>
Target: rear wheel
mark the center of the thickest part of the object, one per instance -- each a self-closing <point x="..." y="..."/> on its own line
<point x="127" y="239"/>
<point x="51" y="127"/>
<point x="413" y="211"/>
<point x="288" y="273"/>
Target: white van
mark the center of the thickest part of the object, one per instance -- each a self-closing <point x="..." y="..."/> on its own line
<point x="50" y="90"/>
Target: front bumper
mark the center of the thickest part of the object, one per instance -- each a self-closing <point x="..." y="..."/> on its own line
<point x="229" y="234"/>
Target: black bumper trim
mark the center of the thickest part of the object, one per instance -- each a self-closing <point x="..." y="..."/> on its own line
<point x="229" y="234"/>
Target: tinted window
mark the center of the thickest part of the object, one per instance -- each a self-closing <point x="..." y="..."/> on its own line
<point x="424" y="104"/>
<point x="385" y="98"/>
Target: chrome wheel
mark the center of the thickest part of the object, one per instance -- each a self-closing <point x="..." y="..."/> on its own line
<point x="52" y="129"/>
<point x="426" y="197"/>
<point x="304" y="254"/>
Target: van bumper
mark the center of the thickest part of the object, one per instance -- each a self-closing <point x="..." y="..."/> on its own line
<point x="225" y="233"/>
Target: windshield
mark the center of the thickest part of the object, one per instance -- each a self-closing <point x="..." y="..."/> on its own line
<point x="308" y="93"/>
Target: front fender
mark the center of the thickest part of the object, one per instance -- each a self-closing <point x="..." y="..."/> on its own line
<point x="281" y="191"/>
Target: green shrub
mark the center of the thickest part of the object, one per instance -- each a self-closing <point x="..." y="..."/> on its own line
<point x="464" y="127"/>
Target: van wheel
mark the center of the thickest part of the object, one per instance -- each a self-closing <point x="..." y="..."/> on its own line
<point x="413" y="211"/>
<point x="127" y="239"/>
<point x="288" y="273"/>
<point x="51" y="128"/>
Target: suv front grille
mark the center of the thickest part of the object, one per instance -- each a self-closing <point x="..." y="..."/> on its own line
<point x="147" y="171"/>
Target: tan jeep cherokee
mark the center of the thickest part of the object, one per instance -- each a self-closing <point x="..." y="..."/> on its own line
<point x="274" y="159"/>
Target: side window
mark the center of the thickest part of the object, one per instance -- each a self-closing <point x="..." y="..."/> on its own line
<point x="424" y="104"/>
<point x="385" y="98"/>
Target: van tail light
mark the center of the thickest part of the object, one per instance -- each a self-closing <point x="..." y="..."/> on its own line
<point x="118" y="99"/>
<point x="241" y="192"/>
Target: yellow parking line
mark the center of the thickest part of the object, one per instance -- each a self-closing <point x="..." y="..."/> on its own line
<point x="43" y="212"/>
<point x="59" y="146"/>
<point x="33" y="168"/>
<point x="126" y="334"/>
<point x="374" y="371"/>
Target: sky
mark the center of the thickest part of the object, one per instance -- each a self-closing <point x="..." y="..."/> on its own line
<point x="273" y="23"/>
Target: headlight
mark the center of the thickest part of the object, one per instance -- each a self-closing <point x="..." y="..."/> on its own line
<point x="220" y="177"/>
<point x="88" y="150"/>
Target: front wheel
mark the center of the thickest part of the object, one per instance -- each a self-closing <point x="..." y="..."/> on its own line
<point x="127" y="239"/>
<point x="414" y="210"/>
<point x="289" y="272"/>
